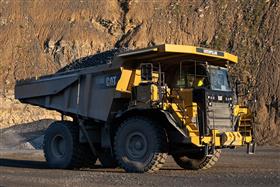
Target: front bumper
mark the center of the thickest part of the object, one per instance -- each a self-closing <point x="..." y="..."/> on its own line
<point x="222" y="139"/>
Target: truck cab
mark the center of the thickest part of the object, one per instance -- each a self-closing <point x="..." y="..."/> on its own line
<point x="194" y="92"/>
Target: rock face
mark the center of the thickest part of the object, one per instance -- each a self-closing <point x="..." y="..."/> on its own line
<point x="12" y="112"/>
<point x="40" y="37"/>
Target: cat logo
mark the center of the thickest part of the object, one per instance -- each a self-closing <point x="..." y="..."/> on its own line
<point x="209" y="51"/>
<point x="111" y="81"/>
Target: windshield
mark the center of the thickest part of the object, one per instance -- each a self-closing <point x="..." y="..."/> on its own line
<point x="191" y="77"/>
<point x="219" y="79"/>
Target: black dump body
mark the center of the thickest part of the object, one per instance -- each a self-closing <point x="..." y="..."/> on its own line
<point x="77" y="89"/>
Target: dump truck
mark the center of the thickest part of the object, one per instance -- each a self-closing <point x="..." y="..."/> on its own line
<point x="146" y="104"/>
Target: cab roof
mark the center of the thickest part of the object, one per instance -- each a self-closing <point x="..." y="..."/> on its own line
<point x="166" y="52"/>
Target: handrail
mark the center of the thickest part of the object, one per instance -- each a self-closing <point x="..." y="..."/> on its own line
<point x="183" y="111"/>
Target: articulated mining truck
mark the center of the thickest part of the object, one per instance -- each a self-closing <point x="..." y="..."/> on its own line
<point x="143" y="106"/>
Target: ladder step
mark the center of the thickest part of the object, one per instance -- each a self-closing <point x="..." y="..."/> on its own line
<point x="246" y="119"/>
<point x="245" y="125"/>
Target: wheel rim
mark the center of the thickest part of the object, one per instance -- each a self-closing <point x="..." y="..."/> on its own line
<point x="136" y="146"/>
<point x="58" y="146"/>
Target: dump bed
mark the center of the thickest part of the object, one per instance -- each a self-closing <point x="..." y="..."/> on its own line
<point x="82" y="92"/>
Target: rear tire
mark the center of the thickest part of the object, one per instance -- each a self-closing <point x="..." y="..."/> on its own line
<point x="197" y="161"/>
<point x="140" y="145"/>
<point x="62" y="148"/>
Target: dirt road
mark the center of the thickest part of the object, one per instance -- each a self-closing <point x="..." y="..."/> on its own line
<point x="27" y="168"/>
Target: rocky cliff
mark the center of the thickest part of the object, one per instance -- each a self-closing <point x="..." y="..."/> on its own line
<point x="39" y="37"/>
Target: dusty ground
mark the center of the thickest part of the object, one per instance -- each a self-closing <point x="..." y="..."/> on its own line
<point x="27" y="168"/>
<point x="22" y="164"/>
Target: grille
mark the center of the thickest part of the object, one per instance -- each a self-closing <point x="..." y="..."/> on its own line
<point x="219" y="117"/>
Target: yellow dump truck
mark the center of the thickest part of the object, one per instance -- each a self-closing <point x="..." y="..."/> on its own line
<point x="147" y="104"/>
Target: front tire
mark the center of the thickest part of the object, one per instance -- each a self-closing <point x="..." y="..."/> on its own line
<point x="197" y="161"/>
<point x="140" y="145"/>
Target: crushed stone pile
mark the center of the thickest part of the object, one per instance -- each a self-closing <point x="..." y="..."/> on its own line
<point x="24" y="136"/>
<point x="105" y="57"/>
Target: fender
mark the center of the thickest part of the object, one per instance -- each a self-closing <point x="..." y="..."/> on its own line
<point x="153" y="113"/>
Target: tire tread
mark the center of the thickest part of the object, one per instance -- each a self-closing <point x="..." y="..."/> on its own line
<point x="158" y="159"/>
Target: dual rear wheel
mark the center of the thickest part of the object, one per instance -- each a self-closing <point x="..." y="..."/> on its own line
<point x="63" y="150"/>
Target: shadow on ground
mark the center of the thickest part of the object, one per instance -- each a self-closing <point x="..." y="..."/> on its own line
<point x="23" y="163"/>
<point x="5" y="162"/>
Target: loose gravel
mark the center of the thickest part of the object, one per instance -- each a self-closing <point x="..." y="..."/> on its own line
<point x="235" y="168"/>
<point x="105" y="57"/>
